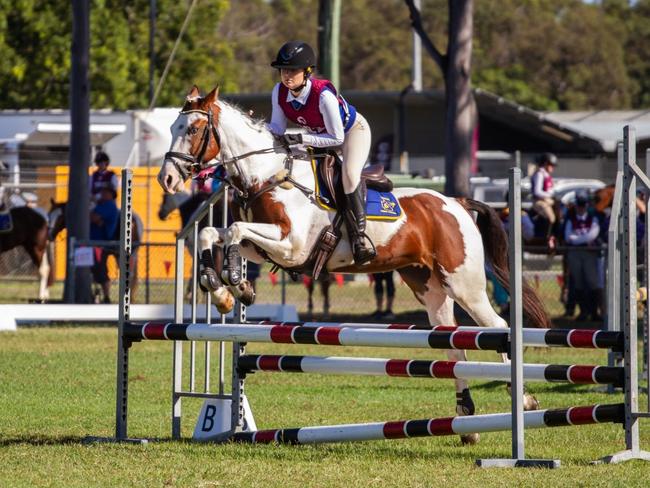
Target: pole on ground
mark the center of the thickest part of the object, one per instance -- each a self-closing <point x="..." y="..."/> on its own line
<point x="518" y="458"/>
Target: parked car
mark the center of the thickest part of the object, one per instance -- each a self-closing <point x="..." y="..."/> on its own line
<point x="494" y="191"/>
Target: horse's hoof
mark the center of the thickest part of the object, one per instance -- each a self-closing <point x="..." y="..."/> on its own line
<point x="470" y="439"/>
<point x="209" y="281"/>
<point x="530" y="402"/>
<point x="245" y="292"/>
<point x="223" y="300"/>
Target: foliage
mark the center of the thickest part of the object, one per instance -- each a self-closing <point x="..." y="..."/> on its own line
<point x="548" y="54"/>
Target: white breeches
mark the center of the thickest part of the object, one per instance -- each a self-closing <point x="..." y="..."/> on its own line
<point x="356" y="148"/>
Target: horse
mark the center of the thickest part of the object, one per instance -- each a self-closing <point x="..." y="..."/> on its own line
<point x="30" y="231"/>
<point x="437" y="246"/>
<point x="56" y="219"/>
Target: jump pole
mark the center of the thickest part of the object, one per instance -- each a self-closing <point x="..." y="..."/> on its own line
<point x="481" y="339"/>
<point x="403" y="429"/>
<point x="551" y="373"/>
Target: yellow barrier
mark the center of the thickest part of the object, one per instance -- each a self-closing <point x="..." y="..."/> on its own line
<point x="147" y="198"/>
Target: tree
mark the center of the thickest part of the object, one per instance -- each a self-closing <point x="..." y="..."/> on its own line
<point x="460" y="106"/>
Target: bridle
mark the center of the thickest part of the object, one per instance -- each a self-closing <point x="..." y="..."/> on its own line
<point x="195" y="162"/>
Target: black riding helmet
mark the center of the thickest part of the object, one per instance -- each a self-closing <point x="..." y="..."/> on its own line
<point x="102" y="157"/>
<point x="295" y="55"/>
<point x="547" y="158"/>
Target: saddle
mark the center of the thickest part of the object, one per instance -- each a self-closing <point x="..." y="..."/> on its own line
<point x="330" y="173"/>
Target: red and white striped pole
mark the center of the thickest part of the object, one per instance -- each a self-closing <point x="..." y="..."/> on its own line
<point x="579" y="374"/>
<point x="434" y="427"/>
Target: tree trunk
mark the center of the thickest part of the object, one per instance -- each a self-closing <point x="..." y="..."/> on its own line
<point x="460" y="104"/>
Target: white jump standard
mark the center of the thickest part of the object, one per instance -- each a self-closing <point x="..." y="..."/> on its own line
<point x="578" y="374"/>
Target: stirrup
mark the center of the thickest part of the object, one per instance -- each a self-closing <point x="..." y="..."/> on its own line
<point x="361" y="253"/>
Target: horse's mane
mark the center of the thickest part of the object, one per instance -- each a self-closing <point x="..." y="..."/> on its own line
<point x="233" y="119"/>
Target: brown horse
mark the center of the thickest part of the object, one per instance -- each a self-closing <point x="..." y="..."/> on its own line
<point x="437" y="246"/>
<point x="30" y="231"/>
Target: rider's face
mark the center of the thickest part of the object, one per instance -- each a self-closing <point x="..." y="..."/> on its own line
<point x="292" y="78"/>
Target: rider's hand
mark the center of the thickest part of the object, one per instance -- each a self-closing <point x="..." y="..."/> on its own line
<point x="290" y="139"/>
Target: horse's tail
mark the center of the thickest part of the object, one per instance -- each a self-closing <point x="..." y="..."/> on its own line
<point x="495" y="243"/>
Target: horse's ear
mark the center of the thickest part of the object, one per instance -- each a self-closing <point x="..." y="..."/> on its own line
<point x="194" y="93"/>
<point x="212" y="97"/>
<point x="52" y="202"/>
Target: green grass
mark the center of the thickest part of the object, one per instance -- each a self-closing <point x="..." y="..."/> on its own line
<point x="58" y="385"/>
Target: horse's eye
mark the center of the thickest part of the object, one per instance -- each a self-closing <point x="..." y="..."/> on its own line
<point x="192" y="130"/>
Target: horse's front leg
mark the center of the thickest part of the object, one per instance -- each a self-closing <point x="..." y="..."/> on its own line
<point x="267" y="237"/>
<point x="208" y="278"/>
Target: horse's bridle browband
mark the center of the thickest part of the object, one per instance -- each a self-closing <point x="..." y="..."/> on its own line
<point x="195" y="161"/>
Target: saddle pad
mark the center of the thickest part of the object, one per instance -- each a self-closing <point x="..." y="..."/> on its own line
<point x="379" y="205"/>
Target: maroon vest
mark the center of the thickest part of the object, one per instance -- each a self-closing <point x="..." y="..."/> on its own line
<point x="308" y="115"/>
<point x="547" y="185"/>
<point x="581" y="226"/>
<point x="100" y="180"/>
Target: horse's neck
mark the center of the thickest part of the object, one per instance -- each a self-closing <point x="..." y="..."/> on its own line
<point x="240" y="135"/>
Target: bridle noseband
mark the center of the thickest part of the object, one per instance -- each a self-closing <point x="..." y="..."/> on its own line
<point x="195" y="162"/>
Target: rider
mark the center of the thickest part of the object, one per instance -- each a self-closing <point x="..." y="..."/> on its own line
<point x="102" y="177"/>
<point x="542" y="188"/>
<point x="315" y="104"/>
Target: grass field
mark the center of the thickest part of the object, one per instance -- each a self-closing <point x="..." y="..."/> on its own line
<point x="58" y="385"/>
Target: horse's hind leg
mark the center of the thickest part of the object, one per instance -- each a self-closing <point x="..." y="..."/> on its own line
<point x="470" y="293"/>
<point x="440" y="310"/>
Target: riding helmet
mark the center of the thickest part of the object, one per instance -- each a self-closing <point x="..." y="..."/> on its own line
<point x="547" y="158"/>
<point x="295" y="55"/>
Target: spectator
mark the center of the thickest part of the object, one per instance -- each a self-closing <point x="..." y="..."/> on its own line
<point x="103" y="224"/>
<point x="102" y="177"/>
<point x="381" y="279"/>
<point x="582" y="231"/>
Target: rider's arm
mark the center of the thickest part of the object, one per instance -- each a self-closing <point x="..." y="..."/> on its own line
<point x="588" y="237"/>
<point x="278" y="124"/>
<point x="538" y="190"/>
<point x="334" y="135"/>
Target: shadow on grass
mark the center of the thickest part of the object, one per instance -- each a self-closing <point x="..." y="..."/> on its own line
<point x="40" y="440"/>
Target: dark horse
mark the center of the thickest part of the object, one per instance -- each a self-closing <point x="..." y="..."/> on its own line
<point x="56" y="217"/>
<point x="30" y="231"/>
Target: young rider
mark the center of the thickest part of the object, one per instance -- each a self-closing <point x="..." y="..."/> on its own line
<point x="315" y="105"/>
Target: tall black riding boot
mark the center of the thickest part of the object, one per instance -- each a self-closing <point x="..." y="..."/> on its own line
<point x="355" y="219"/>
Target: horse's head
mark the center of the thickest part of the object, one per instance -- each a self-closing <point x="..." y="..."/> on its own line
<point x="55" y="219"/>
<point x="195" y="140"/>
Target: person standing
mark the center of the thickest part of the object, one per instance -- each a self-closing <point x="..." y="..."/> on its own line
<point x="581" y="235"/>
<point x="103" y="224"/>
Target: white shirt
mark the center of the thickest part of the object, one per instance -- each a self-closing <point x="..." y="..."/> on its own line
<point x="538" y="184"/>
<point x="329" y="107"/>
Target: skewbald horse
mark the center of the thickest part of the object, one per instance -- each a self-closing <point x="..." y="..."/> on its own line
<point x="437" y="246"/>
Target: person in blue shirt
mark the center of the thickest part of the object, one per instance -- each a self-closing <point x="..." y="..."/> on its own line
<point x="103" y="223"/>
